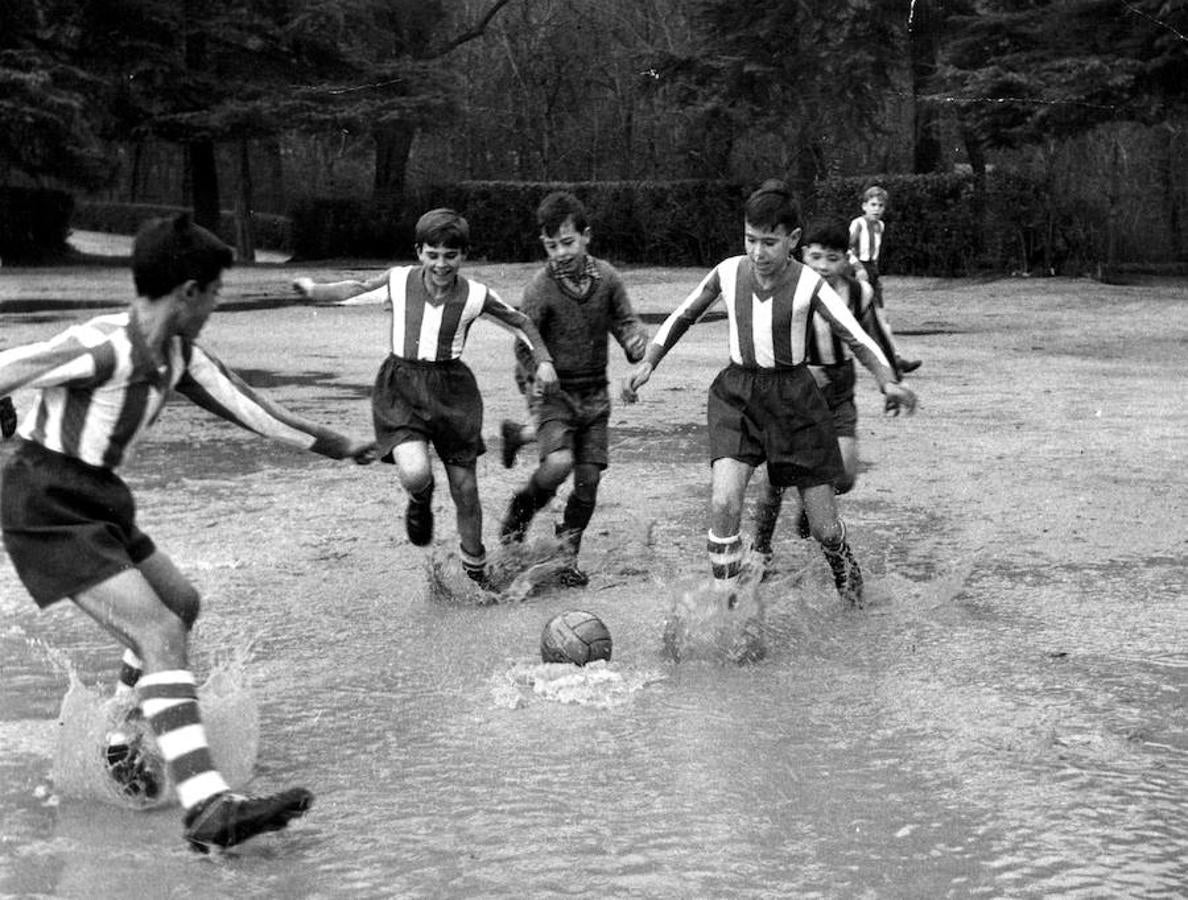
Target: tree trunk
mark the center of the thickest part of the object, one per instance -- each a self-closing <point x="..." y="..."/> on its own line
<point x="204" y="175"/>
<point x="393" y="144"/>
<point x="927" y="154"/>
<point x="245" y="231"/>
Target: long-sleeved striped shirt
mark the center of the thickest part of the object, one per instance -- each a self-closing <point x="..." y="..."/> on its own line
<point x="100" y="389"/>
<point x="826" y="348"/>
<point x="866" y="239"/>
<point x="435" y="330"/>
<point x="770" y="329"/>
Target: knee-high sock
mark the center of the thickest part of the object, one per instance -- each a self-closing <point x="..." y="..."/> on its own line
<point x="131" y="669"/>
<point x="170" y="703"/>
<point x="726" y="555"/>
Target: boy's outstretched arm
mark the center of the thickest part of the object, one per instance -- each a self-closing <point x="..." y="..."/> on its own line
<point x="211" y="385"/>
<point x="337" y="291"/>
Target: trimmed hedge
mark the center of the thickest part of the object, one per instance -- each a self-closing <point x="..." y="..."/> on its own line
<point x="34" y="224"/>
<point x="940" y="225"/>
<point x="272" y="232"/>
<point x="674" y="223"/>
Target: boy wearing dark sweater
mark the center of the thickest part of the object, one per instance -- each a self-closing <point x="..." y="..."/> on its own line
<point x="575" y="301"/>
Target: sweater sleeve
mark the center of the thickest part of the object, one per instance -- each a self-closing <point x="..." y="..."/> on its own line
<point x="625" y="325"/>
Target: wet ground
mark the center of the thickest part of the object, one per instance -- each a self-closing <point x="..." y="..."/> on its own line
<point x="1006" y="719"/>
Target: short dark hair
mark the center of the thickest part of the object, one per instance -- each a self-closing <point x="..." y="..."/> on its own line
<point x="832" y="234"/>
<point x="773" y="204"/>
<point x="558" y="206"/>
<point x="443" y="227"/>
<point x="168" y="252"/>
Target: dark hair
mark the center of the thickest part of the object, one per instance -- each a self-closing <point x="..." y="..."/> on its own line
<point x="874" y="192"/>
<point x="832" y="234"/>
<point x="442" y="228"/>
<point x="169" y="252"/>
<point x="558" y="206"/>
<point x="773" y="205"/>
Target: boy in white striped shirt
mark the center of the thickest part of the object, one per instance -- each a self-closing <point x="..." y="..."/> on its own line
<point x="765" y="407"/>
<point x="69" y="520"/>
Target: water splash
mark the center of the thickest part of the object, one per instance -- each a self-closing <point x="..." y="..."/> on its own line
<point x="87" y="716"/>
<point x="598" y="684"/>
<point x="515" y="572"/>
<point x="708" y="622"/>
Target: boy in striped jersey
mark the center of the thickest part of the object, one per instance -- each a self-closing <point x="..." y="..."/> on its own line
<point x="824" y="248"/>
<point x="69" y="520"/>
<point x="765" y="405"/>
<point x="866" y="243"/>
<point x="576" y="301"/>
<point x="424" y="393"/>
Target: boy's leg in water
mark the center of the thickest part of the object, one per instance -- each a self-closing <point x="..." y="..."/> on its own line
<point x="728" y="486"/>
<point x="127" y="606"/>
<point x="464" y="491"/>
<point x="830" y="532"/>
<point x="416" y="476"/>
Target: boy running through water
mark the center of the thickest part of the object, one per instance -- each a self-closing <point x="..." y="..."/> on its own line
<point x="424" y="394"/>
<point x="765" y="405"/>
<point x="575" y="301"/>
<point x="69" y="520"/>
<point x="824" y="245"/>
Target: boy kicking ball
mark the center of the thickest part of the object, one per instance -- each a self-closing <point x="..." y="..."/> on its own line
<point x="69" y="520"/>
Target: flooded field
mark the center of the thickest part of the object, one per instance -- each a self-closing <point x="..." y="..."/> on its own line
<point x="1007" y="718"/>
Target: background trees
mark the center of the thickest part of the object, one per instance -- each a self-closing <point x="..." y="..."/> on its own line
<point x="170" y="100"/>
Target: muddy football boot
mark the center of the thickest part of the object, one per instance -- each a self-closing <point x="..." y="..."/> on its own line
<point x="227" y="819"/>
<point x="847" y="577"/>
<point x="130" y="767"/>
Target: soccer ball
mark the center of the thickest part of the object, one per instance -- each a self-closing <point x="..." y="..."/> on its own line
<point x="575" y="636"/>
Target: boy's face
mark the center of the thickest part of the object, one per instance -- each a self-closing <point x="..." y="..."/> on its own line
<point x="770" y="249"/>
<point x="196" y="307"/>
<point x="440" y="265"/>
<point x="567" y="248"/>
<point x="828" y="262"/>
<point x="873" y="207"/>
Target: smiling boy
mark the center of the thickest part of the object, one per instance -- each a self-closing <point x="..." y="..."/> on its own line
<point x="576" y="301"/>
<point x="424" y="394"/>
<point x="765" y="406"/>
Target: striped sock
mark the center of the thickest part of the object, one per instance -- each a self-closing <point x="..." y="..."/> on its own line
<point x="725" y="555"/>
<point x="170" y="703"/>
<point x="131" y="669"/>
<point x="474" y="565"/>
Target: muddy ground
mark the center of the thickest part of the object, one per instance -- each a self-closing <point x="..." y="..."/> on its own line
<point x="1050" y="434"/>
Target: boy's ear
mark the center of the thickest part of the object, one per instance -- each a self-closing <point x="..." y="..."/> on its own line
<point x="794" y="237"/>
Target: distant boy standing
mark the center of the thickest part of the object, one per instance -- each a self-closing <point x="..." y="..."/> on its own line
<point x="424" y="393"/>
<point x="576" y="301"/>
<point x="765" y="406"/>
<point x="69" y="520"/>
<point x="866" y="244"/>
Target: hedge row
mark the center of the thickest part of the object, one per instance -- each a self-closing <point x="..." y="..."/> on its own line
<point x="34" y="224"/>
<point x="271" y="231"/>
<point x="657" y="223"/>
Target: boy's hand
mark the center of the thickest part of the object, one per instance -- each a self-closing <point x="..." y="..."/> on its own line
<point x="303" y="286"/>
<point x="546" y="379"/>
<point x="898" y="396"/>
<point x="362" y="452"/>
<point x="636" y="346"/>
<point x="633" y="382"/>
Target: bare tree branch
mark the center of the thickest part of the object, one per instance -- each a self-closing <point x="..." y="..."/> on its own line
<point x="474" y="32"/>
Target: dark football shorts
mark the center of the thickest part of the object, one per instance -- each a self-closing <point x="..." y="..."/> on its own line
<point x="837" y="387"/>
<point x="436" y="402"/>
<point x="777" y="416"/>
<point x="67" y="525"/>
<point x="577" y="421"/>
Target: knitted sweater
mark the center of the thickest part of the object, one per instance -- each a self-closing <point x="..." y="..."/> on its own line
<point x="574" y="319"/>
